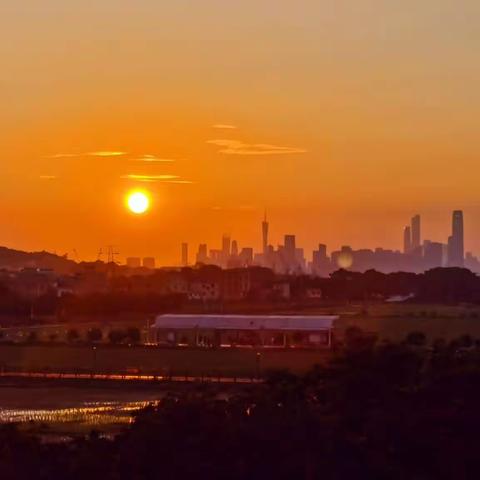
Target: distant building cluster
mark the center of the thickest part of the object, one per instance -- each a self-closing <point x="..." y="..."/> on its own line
<point x="417" y="255"/>
<point x="137" y="262"/>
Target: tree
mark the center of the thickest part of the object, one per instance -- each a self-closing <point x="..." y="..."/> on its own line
<point x="72" y="335"/>
<point x="133" y="335"/>
<point x="417" y="339"/>
<point x="94" y="335"/>
<point x="116" y="336"/>
<point x="466" y="341"/>
<point x="32" y="337"/>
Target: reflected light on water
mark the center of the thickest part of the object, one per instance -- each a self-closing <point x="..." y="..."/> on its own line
<point x="90" y="414"/>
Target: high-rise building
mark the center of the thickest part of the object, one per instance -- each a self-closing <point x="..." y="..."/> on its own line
<point x="184" y="254"/>
<point x="456" y="254"/>
<point x="432" y="254"/>
<point x="202" y="256"/>
<point x="265" y="235"/>
<point x="246" y="256"/>
<point x="322" y="251"/>
<point x="149" y="262"/>
<point x="134" y="262"/>
<point x="416" y="233"/>
<point x="407" y="240"/>
<point x="234" y="251"/>
<point x="289" y="243"/>
<point x="226" y="245"/>
<point x="320" y="262"/>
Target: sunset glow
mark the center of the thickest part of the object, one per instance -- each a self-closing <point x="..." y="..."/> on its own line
<point x="138" y="202"/>
<point x="314" y="110"/>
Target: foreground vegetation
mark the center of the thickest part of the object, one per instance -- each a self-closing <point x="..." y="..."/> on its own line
<point x="391" y="411"/>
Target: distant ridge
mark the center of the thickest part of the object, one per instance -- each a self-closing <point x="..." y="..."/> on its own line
<point x="16" y="259"/>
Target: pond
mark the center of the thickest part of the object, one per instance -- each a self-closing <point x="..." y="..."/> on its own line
<point x="62" y="413"/>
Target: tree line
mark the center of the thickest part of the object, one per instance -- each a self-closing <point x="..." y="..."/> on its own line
<point x="377" y="411"/>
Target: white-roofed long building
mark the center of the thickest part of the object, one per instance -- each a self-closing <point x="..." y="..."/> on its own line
<point x="230" y="331"/>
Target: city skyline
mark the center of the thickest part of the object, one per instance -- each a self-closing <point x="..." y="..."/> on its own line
<point x="333" y="115"/>
<point x="418" y="254"/>
<point x="192" y="252"/>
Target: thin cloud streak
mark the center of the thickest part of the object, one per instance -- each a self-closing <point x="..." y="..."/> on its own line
<point x="147" y="178"/>
<point x="89" y="154"/>
<point x="106" y="154"/>
<point x="180" y="182"/>
<point x="48" y="177"/>
<point x="65" y="155"/>
<point x="152" y="159"/>
<point x="236" y="147"/>
<point x="224" y="126"/>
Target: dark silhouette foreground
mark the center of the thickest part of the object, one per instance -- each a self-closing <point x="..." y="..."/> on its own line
<point x="385" y="412"/>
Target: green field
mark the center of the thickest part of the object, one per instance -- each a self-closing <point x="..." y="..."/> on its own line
<point x="161" y="361"/>
<point x="394" y="322"/>
<point x="389" y="321"/>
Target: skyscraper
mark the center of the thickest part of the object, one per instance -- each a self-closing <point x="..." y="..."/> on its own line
<point x="184" y="254"/>
<point x="234" y="251"/>
<point x="456" y="254"/>
<point x="265" y="235"/>
<point x="202" y="255"/>
<point x="149" y="262"/>
<point x="432" y="255"/>
<point x="289" y="243"/>
<point x="407" y="240"/>
<point x="416" y="233"/>
<point x="226" y="245"/>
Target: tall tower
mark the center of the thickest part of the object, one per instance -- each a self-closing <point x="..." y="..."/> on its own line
<point x="416" y="232"/>
<point x="226" y="246"/>
<point x="184" y="254"/>
<point x="407" y="240"/>
<point x="265" y="235"/>
<point x="456" y="249"/>
<point x="202" y="256"/>
<point x="234" y="250"/>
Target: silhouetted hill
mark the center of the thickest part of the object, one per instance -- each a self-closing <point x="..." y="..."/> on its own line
<point x="17" y="259"/>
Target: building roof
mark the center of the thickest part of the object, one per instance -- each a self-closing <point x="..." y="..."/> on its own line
<point x="246" y="322"/>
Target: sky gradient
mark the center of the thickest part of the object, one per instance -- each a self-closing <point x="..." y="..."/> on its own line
<point x="341" y="118"/>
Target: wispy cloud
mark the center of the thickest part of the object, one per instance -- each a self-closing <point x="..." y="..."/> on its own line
<point x="48" y="177"/>
<point x="224" y="126"/>
<point x="236" y="147"/>
<point x="106" y="154"/>
<point x="100" y="153"/>
<point x="150" y="178"/>
<point x="152" y="159"/>
<point x="181" y="182"/>
<point x="65" y="155"/>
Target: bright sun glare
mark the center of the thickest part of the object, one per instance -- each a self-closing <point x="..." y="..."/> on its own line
<point x="138" y="202"/>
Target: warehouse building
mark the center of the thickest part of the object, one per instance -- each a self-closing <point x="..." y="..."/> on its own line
<point x="243" y="331"/>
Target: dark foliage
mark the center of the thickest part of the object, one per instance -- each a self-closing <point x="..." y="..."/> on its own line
<point x="385" y="412"/>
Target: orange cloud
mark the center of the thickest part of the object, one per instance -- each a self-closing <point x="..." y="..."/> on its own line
<point x="149" y="178"/>
<point x="236" y="147"/>
<point x="223" y="126"/>
<point x="152" y="159"/>
<point x="106" y="154"/>
<point x="100" y="153"/>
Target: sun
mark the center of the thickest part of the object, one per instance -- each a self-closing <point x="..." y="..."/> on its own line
<point x="138" y="202"/>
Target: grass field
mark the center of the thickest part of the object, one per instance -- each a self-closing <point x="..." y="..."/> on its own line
<point x="162" y="361"/>
<point x="390" y="321"/>
<point x="394" y="322"/>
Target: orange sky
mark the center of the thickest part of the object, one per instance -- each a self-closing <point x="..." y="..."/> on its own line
<point x="349" y="117"/>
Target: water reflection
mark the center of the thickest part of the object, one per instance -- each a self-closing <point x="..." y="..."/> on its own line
<point x="91" y="414"/>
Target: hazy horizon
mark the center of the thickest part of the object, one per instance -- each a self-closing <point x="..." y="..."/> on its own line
<point x="342" y="120"/>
